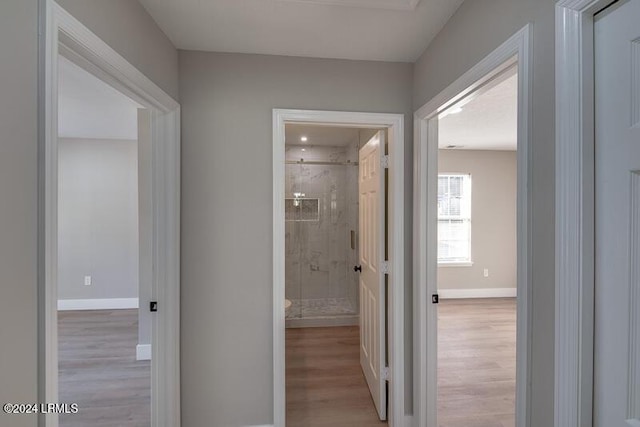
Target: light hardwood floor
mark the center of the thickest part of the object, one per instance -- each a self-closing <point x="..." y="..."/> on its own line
<point x="325" y="384"/>
<point x="476" y="372"/>
<point x="477" y="363"/>
<point x="98" y="369"/>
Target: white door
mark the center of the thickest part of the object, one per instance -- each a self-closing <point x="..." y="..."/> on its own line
<point x="617" y="269"/>
<point x="372" y="278"/>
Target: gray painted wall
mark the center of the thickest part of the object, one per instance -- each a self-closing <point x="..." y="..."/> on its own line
<point x="145" y="226"/>
<point x="227" y="102"/>
<point x="97" y="218"/>
<point x="126" y="26"/>
<point x="478" y="27"/>
<point x="493" y="218"/>
<point x="18" y="206"/>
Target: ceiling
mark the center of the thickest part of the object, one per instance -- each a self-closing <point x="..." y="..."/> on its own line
<point x="488" y="122"/>
<point x="327" y="136"/>
<point x="90" y="108"/>
<point x="382" y="30"/>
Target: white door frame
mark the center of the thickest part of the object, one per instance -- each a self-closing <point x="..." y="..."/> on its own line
<point x="575" y="209"/>
<point x="395" y="125"/>
<point x="61" y="33"/>
<point x="515" y="50"/>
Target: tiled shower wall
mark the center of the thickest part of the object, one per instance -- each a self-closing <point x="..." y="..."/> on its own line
<point x="319" y="256"/>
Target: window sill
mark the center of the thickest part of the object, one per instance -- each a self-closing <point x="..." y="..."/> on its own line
<point x="456" y="264"/>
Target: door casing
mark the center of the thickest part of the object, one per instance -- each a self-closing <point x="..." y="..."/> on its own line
<point x="396" y="198"/>
<point x="62" y="34"/>
<point x="516" y="50"/>
<point x="575" y="211"/>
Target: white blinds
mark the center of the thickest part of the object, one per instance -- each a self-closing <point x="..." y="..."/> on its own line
<point x="454" y="218"/>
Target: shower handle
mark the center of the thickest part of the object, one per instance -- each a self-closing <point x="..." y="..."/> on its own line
<point x="358" y="268"/>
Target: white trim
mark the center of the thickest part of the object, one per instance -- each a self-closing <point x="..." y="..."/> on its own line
<point x="143" y="352"/>
<point x="395" y="125"/>
<point x="478" y="293"/>
<point x="97" y="304"/>
<point x="516" y="50"/>
<point x="61" y="33"/>
<point x="408" y="421"/>
<point x="575" y="258"/>
<point x="455" y="264"/>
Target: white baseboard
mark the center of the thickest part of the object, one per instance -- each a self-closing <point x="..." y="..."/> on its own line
<point x="97" y="304"/>
<point x="143" y="352"/>
<point x="478" y="293"/>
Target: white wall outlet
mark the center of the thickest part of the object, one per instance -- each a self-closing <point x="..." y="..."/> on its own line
<point x="87" y="280"/>
<point x="486" y="272"/>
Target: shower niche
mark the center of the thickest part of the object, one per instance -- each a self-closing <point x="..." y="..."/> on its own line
<point x="321" y="223"/>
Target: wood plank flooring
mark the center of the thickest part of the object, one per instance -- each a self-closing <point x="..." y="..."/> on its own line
<point x="98" y="369"/>
<point x="325" y="384"/>
<point x="476" y="374"/>
<point x="477" y="363"/>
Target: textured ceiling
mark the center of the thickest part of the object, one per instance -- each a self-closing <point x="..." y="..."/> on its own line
<point x="488" y="122"/>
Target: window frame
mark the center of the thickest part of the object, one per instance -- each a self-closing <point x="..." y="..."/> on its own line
<point x="467" y="181"/>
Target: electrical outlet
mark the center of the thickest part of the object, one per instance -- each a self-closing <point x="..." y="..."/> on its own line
<point x="87" y="280"/>
<point x="486" y="272"/>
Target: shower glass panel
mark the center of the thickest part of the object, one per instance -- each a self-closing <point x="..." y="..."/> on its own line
<point x="321" y="213"/>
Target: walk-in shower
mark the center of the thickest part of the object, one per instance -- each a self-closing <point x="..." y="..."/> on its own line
<point x="321" y="225"/>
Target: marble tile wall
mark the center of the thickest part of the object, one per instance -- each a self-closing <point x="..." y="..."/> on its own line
<point x="319" y="259"/>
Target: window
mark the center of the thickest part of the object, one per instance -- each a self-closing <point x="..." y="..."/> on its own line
<point x="454" y="218"/>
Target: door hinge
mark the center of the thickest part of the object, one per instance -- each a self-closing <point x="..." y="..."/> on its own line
<point x="435" y="299"/>
<point x="385" y="373"/>
<point x="386" y="267"/>
<point x="153" y="306"/>
<point x="385" y="161"/>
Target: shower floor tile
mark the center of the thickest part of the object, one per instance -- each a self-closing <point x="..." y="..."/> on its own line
<point x="321" y="307"/>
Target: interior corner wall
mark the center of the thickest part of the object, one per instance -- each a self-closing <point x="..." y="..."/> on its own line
<point x="227" y="318"/>
<point x="126" y="26"/>
<point x="477" y="28"/>
<point x="18" y="207"/>
<point x="493" y="219"/>
<point x="97" y="218"/>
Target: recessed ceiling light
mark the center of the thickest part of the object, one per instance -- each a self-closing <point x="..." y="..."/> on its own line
<point x="304" y="149"/>
<point x="303" y="138"/>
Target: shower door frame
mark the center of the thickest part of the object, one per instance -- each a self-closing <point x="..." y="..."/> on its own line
<point x="394" y="123"/>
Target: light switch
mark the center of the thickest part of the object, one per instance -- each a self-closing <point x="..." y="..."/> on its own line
<point x="87" y="280"/>
<point x="486" y="272"/>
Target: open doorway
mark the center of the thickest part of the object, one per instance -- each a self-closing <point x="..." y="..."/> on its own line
<point x="472" y="233"/>
<point x="327" y="356"/>
<point x="104" y="244"/>
<point x="109" y="235"/>
<point x="477" y="256"/>
<point x="338" y="199"/>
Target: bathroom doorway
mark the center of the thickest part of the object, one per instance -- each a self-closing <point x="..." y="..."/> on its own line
<point x="324" y="279"/>
<point x="339" y="334"/>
